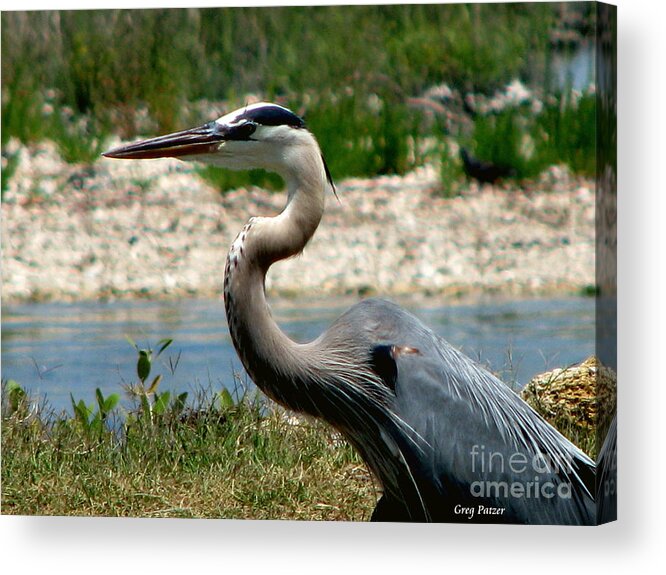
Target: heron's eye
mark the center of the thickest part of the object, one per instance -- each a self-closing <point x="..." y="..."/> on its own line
<point x="241" y="132"/>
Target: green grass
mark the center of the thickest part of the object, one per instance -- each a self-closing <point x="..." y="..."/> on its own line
<point x="158" y="455"/>
<point x="79" y="139"/>
<point x="101" y="60"/>
<point x="211" y="460"/>
<point x="362" y="135"/>
<point x="566" y="131"/>
<point x="451" y="175"/>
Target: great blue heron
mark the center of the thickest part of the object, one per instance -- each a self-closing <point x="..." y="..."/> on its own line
<point x="446" y="439"/>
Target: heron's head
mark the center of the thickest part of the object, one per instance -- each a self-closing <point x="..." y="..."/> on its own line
<point x="260" y="135"/>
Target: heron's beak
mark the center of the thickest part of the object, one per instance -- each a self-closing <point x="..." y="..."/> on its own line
<point x="194" y="142"/>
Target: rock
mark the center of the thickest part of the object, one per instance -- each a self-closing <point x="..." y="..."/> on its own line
<point x="584" y="395"/>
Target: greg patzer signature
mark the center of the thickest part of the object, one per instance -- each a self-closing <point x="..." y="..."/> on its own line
<point x="477" y="510"/>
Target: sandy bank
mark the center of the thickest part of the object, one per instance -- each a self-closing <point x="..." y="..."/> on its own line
<point x="154" y="228"/>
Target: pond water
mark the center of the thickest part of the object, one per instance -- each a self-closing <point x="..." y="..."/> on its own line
<point x="575" y="69"/>
<point x="54" y="349"/>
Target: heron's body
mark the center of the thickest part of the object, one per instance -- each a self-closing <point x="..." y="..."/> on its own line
<point x="446" y="439"/>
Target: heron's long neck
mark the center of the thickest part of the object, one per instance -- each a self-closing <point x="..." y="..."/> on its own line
<point x="267" y="353"/>
<point x="323" y="378"/>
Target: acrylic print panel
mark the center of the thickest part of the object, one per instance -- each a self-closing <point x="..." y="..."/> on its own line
<point x="449" y="177"/>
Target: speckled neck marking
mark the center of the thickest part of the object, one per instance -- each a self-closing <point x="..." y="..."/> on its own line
<point x="235" y="258"/>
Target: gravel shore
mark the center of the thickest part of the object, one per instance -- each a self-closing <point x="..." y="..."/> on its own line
<point x="156" y="229"/>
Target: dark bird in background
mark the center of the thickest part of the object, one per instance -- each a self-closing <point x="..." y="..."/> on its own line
<point x="484" y="172"/>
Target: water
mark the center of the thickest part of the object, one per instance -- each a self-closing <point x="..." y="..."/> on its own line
<point x="53" y="349"/>
<point x="575" y="69"/>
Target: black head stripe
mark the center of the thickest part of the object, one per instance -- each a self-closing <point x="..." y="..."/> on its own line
<point x="271" y="115"/>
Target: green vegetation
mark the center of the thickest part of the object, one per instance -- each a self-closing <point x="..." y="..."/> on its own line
<point x="76" y="77"/>
<point x="208" y="460"/>
<point x="563" y="132"/>
<point x="215" y="459"/>
<point x="156" y="455"/>
<point x="160" y="457"/>
<point x="450" y="172"/>
<point x="362" y="134"/>
<point x="78" y="139"/>
<point x="120" y="60"/>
